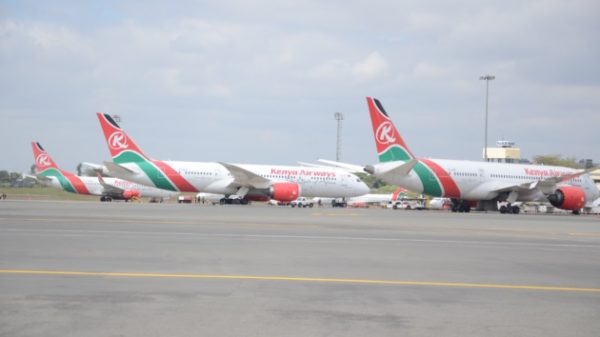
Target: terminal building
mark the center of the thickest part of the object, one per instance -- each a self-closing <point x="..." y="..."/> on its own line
<point x="504" y="152"/>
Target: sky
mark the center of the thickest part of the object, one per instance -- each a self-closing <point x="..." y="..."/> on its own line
<point x="259" y="81"/>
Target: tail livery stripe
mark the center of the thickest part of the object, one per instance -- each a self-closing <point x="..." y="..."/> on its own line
<point x="390" y="145"/>
<point x="77" y="183"/>
<point x="451" y="190"/>
<point x="398" y="193"/>
<point x="64" y="182"/>
<point x="182" y="184"/>
<point x="431" y="185"/>
<point x="394" y="153"/>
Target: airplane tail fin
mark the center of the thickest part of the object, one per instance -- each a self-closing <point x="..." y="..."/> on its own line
<point x="399" y="193"/>
<point x="390" y="145"/>
<point x="46" y="167"/>
<point x="121" y="147"/>
<point x="43" y="161"/>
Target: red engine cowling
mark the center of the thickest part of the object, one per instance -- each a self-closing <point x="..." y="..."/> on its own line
<point x="285" y="191"/>
<point x="129" y="194"/>
<point x="568" y="197"/>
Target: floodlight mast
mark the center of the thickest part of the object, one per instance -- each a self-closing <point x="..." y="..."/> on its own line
<point x="487" y="79"/>
<point x="339" y="117"/>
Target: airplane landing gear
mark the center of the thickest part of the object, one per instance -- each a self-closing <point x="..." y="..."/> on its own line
<point x="509" y="209"/>
<point x="460" y="206"/>
<point x="233" y="201"/>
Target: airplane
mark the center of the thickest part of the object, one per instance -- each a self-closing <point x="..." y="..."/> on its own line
<point x="470" y="183"/>
<point x="595" y="207"/>
<point x="107" y="188"/>
<point x="440" y="203"/>
<point x="376" y="198"/>
<point x="251" y="182"/>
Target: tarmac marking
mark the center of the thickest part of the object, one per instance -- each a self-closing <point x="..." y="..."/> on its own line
<point x="192" y="235"/>
<point x="335" y="214"/>
<point x="585" y="234"/>
<point x="135" y="221"/>
<point x="300" y="279"/>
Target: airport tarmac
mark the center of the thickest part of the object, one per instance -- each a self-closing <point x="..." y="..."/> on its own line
<point x="127" y="269"/>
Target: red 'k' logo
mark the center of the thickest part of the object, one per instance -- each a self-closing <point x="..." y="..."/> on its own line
<point x="42" y="160"/>
<point x="385" y="133"/>
<point x="118" y="141"/>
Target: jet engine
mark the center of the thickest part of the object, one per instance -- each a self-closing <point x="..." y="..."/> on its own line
<point x="129" y="194"/>
<point x="284" y="191"/>
<point x="568" y="197"/>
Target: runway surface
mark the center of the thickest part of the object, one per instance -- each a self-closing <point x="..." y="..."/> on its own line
<point x="117" y="269"/>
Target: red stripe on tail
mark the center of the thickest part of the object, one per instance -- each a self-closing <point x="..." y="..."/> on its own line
<point x="451" y="190"/>
<point x="182" y="184"/>
<point x="76" y="182"/>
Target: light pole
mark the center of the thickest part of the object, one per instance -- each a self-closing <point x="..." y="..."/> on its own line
<point x="487" y="79"/>
<point x="339" y="117"/>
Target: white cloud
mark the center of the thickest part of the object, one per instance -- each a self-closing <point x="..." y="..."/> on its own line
<point x="283" y="65"/>
<point x="374" y="66"/>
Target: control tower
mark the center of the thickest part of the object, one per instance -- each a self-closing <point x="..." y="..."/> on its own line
<point x="504" y="152"/>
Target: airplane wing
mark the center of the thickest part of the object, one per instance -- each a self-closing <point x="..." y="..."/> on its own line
<point x="352" y="168"/>
<point x="301" y="163"/>
<point x="246" y="178"/>
<point x="546" y="185"/>
<point x="39" y="177"/>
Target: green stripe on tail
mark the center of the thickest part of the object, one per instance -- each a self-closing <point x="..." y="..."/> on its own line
<point x="394" y="153"/>
<point x="158" y="177"/>
<point x="431" y="185"/>
<point x="64" y="182"/>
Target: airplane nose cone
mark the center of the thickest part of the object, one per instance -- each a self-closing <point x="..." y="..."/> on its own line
<point x="363" y="188"/>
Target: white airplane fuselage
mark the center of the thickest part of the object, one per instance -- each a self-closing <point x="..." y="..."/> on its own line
<point x="95" y="188"/>
<point x="212" y="177"/>
<point x="481" y="180"/>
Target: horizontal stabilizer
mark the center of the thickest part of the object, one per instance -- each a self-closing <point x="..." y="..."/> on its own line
<point x="392" y="168"/>
<point x="112" y="167"/>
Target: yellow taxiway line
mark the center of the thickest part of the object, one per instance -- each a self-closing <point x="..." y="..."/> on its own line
<point x="300" y="279"/>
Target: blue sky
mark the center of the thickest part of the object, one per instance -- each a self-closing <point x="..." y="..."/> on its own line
<point x="259" y="81"/>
